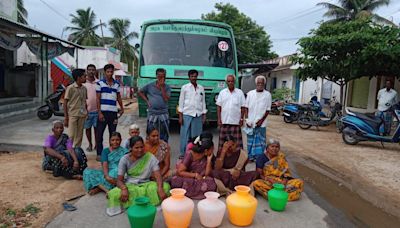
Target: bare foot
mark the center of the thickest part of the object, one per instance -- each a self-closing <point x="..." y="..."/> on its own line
<point x="94" y="191"/>
<point x="77" y="177"/>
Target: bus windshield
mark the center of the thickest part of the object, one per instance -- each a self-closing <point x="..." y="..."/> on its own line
<point x="169" y="48"/>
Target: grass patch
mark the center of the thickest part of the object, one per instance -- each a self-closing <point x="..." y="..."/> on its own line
<point x="11" y="217"/>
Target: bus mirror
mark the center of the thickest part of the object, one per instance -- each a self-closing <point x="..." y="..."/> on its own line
<point x="137" y="46"/>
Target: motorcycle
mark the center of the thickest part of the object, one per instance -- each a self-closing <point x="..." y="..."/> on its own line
<point x="312" y="115"/>
<point x="290" y="112"/>
<point x="360" y="127"/>
<point x="52" y="106"/>
<point x="276" y="107"/>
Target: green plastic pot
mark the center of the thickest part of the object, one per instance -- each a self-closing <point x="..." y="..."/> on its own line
<point x="142" y="213"/>
<point x="277" y="197"/>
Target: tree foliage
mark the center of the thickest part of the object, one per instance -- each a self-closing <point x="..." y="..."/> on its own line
<point x="84" y="29"/>
<point x="343" y="51"/>
<point x="355" y="9"/>
<point x="252" y="42"/>
<point x="121" y="36"/>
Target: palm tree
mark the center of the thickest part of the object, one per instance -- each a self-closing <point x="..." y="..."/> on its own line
<point x="84" y="30"/>
<point x="22" y="12"/>
<point x="119" y="29"/>
<point x="353" y="9"/>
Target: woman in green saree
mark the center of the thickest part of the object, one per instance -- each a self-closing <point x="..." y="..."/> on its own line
<point x="96" y="180"/>
<point x="138" y="166"/>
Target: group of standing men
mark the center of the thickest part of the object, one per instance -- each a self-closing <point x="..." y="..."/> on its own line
<point x="233" y="109"/>
<point x="92" y="103"/>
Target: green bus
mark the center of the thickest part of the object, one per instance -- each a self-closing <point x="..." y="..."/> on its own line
<point x="181" y="45"/>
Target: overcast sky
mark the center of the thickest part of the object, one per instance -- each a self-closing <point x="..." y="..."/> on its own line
<point x="284" y="20"/>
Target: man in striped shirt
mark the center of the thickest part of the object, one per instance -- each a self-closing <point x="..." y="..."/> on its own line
<point x="108" y="93"/>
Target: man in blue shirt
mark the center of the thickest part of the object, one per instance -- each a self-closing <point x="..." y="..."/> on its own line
<point x="156" y="95"/>
<point x="108" y="93"/>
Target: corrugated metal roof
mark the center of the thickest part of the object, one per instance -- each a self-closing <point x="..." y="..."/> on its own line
<point x="25" y="29"/>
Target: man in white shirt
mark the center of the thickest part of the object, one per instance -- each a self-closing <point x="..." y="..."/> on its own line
<point x="230" y="111"/>
<point x="386" y="98"/>
<point x="258" y="106"/>
<point x="192" y="110"/>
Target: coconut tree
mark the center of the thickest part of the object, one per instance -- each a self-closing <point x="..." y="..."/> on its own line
<point x="121" y="37"/>
<point x="84" y="28"/>
<point x="352" y="9"/>
<point x="22" y="12"/>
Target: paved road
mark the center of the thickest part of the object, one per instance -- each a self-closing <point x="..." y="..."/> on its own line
<point x="91" y="209"/>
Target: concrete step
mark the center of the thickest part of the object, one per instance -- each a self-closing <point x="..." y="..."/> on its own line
<point x="15" y="106"/>
<point x="14" y="100"/>
<point x="24" y="109"/>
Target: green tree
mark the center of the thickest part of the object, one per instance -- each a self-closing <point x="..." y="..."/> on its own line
<point x="353" y="9"/>
<point x="252" y="42"/>
<point x="22" y="12"/>
<point x="121" y="37"/>
<point x="84" y="29"/>
<point x="344" y="51"/>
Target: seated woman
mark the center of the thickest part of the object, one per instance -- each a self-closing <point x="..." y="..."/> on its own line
<point x="273" y="168"/>
<point x="193" y="173"/>
<point x="60" y="157"/>
<point x="229" y="169"/>
<point x="96" y="180"/>
<point x="160" y="149"/>
<point x="138" y="166"/>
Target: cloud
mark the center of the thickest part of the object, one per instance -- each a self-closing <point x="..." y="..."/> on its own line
<point x="282" y="19"/>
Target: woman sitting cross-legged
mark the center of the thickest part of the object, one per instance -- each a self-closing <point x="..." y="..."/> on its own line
<point x="138" y="166"/>
<point x="229" y="169"/>
<point x="274" y="168"/>
<point x="193" y="173"/>
<point x="96" y="180"/>
<point x="60" y="157"/>
<point x="160" y="149"/>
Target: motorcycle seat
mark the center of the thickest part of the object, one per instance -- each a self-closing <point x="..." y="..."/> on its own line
<point x="373" y="121"/>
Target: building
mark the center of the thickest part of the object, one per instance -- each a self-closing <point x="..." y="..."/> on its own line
<point x="284" y="76"/>
<point x="24" y="68"/>
<point x="99" y="56"/>
<point x="362" y="93"/>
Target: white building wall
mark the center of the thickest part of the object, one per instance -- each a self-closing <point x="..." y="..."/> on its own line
<point x="98" y="56"/>
<point x="284" y="75"/>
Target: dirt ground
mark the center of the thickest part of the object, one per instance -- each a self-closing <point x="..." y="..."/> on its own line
<point x="25" y="183"/>
<point x="368" y="169"/>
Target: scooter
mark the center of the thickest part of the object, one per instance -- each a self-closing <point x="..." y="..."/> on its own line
<point x="360" y="127"/>
<point x="52" y="106"/>
<point x="290" y="112"/>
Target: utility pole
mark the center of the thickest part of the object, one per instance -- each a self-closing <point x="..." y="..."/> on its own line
<point x="102" y="35"/>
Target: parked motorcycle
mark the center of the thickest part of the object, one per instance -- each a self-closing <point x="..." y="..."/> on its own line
<point x="290" y="112"/>
<point x="52" y="106"/>
<point x="312" y="115"/>
<point x="360" y="127"/>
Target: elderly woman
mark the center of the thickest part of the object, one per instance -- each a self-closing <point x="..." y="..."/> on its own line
<point x="96" y="180"/>
<point x="274" y="168"/>
<point x="60" y="157"/>
<point x="193" y="173"/>
<point x="134" y="172"/>
<point x="229" y="169"/>
<point x="158" y="148"/>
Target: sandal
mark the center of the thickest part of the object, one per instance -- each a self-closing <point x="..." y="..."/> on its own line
<point x="68" y="207"/>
